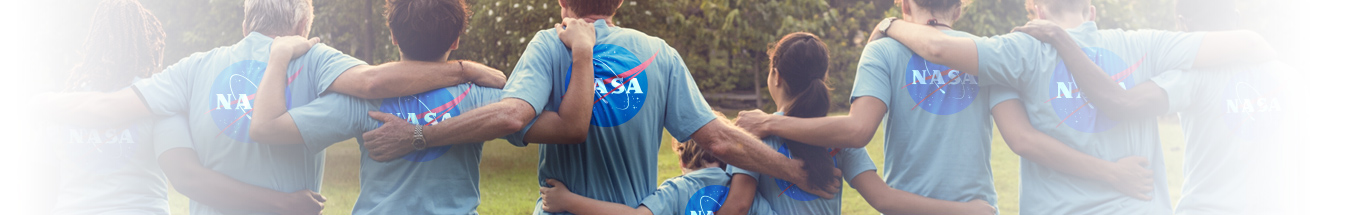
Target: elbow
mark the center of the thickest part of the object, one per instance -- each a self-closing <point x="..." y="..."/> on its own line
<point x="265" y="134"/>
<point x="861" y="136"/>
<point x="1263" y="51"/>
<point x="577" y="135"/>
<point x="1020" y="145"/>
<point x="508" y="123"/>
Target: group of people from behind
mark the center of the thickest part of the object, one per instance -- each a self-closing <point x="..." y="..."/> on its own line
<point x="240" y="129"/>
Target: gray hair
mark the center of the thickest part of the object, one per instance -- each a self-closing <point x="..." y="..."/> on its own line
<point x="277" y="17"/>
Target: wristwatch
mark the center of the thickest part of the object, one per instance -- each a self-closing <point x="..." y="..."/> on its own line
<point x="889" y="21"/>
<point x="419" y="142"/>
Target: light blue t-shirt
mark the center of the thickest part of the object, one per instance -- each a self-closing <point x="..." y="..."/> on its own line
<point x="436" y="180"/>
<point x="938" y="123"/>
<point x="1233" y="119"/>
<point x="699" y="192"/>
<point x="787" y="198"/>
<point x="215" y="91"/>
<point x="642" y="87"/>
<point x="114" y="170"/>
<point x="1056" y="107"/>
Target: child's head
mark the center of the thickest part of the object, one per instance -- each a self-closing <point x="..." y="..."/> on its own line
<point x="942" y="10"/>
<point x="1207" y="15"/>
<point x="693" y="156"/>
<point x="426" y="30"/>
<point x="125" y="41"/>
<point x="582" y="8"/>
<point x="798" y="66"/>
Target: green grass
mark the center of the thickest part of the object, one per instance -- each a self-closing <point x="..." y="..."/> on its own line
<point x="508" y="175"/>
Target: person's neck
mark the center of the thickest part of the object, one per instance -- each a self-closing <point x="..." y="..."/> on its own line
<point x="924" y="18"/>
<point x="595" y="18"/>
<point x="1068" y="21"/>
<point x="443" y="58"/>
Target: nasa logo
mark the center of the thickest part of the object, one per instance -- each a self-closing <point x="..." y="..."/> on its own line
<point x="428" y="108"/>
<point x="234" y="90"/>
<point x="789" y="189"/>
<point x="1071" y="105"/>
<point x="102" y="149"/>
<point x="937" y="88"/>
<point x="1252" y="105"/>
<point x="706" y="201"/>
<point x="620" y="84"/>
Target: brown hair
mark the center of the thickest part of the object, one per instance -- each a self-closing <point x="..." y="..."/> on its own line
<point x="593" y="7"/>
<point x="1065" y="6"/>
<point x="693" y="155"/>
<point x="802" y="61"/>
<point x="426" y="29"/>
<point x="125" y="41"/>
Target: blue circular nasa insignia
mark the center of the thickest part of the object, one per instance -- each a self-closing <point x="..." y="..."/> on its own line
<point x="706" y="201"/>
<point x="791" y="190"/>
<point x="1252" y="105"/>
<point x="937" y="88"/>
<point x="620" y="84"/>
<point x="234" y="90"/>
<point x="428" y="108"/>
<point x="1071" y="105"/>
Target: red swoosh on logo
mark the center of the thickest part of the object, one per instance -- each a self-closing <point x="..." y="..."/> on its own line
<point x="448" y="106"/>
<point x="1119" y="77"/>
<point x="629" y="75"/>
<point x="253" y="97"/>
<point x="927" y="97"/>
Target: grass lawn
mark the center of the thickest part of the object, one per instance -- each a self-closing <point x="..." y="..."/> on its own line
<point x="508" y="175"/>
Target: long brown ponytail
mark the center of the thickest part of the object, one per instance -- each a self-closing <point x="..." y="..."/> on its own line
<point x="802" y="61"/>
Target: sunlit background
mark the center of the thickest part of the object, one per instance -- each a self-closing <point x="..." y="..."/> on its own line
<point x="1320" y="39"/>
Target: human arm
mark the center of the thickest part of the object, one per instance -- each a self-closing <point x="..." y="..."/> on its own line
<point x="1143" y="101"/>
<point x="403" y="78"/>
<point x="889" y="200"/>
<point x="269" y="122"/>
<point x="569" y="125"/>
<point x="743" y="150"/>
<point x="740" y="197"/>
<point x="1128" y="175"/>
<point x="955" y="52"/>
<point x="203" y="185"/>
<point x="557" y="198"/>
<point x="852" y="131"/>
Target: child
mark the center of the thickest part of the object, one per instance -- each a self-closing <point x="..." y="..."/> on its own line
<point x="703" y="187"/>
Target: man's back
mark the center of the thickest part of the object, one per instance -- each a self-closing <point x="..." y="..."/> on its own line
<point x="1056" y="107"/>
<point x="642" y="87"/>
<point x="215" y="89"/>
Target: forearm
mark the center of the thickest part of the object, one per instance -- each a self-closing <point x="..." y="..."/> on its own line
<point x="1102" y="90"/>
<point x="830" y="131"/>
<point x="270" y="124"/>
<point x="215" y="189"/>
<point x="569" y="125"/>
<point x="740" y="197"/>
<point x="481" y="124"/>
<point x="1040" y="148"/>
<point x="888" y="200"/>
<point x="584" y="205"/>
<point x="740" y="149"/>
<point x="396" y="79"/>
<point x="955" y="52"/>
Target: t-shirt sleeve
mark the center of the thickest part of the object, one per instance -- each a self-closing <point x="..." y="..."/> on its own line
<point x="1180" y="88"/>
<point x="686" y="110"/>
<point x="667" y="195"/>
<point x="854" y="161"/>
<point x="1006" y="58"/>
<point x="874" y="73"/>
<point x="327" y="65"/>
<point x="168" y="92"/>
<point x="1000" y="94"/>
<point x="737" y="170"/>
<point x="531" y="79"/>
<point x="171" y="132"/>
<point x="332" y="118"/>
<point x="1167" y="49"/>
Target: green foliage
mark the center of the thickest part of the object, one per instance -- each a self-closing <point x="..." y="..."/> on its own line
<point x="724" y="42"/>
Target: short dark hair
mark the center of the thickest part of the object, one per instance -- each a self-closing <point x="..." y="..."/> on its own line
<point x="425" y="29"/>
<point x="593" y="7"/>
